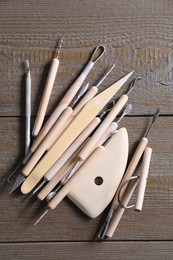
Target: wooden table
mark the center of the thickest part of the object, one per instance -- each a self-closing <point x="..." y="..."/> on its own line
<point x="138" y="35"/>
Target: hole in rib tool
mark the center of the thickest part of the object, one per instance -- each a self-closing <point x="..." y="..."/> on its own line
<point x="60" y="108"/>
<point x="80" y="122"/>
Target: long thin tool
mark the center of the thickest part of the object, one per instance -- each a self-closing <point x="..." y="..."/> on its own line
<point x="70" y="94"/>
<point x="105" y="229"/>
<point x="80" y="122"/>
<point x="27" y="111"/>
<point x="27" y="108"/>
<point x="47" y="92"/>
<point x="66" y="117"/>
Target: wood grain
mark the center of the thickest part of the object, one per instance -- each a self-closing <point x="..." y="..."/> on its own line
<point x="138" y="36"/>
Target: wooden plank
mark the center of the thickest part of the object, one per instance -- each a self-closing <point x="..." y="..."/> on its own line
<point x="83" y="251"/>
<point x="138" y="40"/>
<point x="67" y="222"/>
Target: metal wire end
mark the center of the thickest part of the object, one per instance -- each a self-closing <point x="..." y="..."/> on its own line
<point x="105" y="75"/>
<point x="132" y="84"/>
<point x="58" y="49"/>
<point x="155" y="116"/>
<point x="97" y="54"/>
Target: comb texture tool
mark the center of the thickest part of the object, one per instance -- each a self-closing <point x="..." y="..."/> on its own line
<point x="87" y="114"/>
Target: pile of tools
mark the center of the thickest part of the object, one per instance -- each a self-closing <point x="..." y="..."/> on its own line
<point x="79" y="152"/>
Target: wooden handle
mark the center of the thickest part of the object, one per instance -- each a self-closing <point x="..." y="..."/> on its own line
<point x="45" y="97"/>
<point x="48" y="141"/>
<point x="120" y="210"/>
<point x="59" y="175"/>
<point x="67" y="187"/>
<point x="74" y="146"/>
<point x="113" y="126"/>
<point x="143" y="178"/>
<point x="48" y="125"/>
<point x="102" y="128"/>
<point x="131" y="169"/>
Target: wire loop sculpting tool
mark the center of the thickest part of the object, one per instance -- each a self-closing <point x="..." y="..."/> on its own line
<point x="108" y="231"/>
<point x="80" y="122"/>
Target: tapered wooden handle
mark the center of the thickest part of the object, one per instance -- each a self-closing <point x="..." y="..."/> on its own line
<point x="131" y="169"/>
<point x="47" y="126"/>
<point x="113" y="126"/>
<point x="48" y="141"/>
<point x="45" y="97"/>
<point x="102" y="128"/>
<point x="143" y="178"/>
<point x="74" y="146"/>
<point x="120" y="210"/>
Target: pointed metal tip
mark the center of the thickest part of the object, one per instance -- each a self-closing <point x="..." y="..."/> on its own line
<point x="20" y="179"/>
<point x="38" y="220"/>
<point x="59" y="46"/>
<point x="156" y="114"/>
<point x="132" y="84"/>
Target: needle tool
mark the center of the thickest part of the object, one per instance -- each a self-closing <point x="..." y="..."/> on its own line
<point x="27" y="111"/>
<point x="57" y="129"/>
<point x="69" y="96"/>
<point x="64" y="175"/>
<point x="47" y="92"/>
<point x="80" y="122"/>
<point x="66" y="117"/>
<point x="105" y="230"/>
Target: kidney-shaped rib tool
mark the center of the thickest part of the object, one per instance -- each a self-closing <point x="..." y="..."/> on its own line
<point x="93" y="186"/>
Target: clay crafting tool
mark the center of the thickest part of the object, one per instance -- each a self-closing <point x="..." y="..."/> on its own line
<point x="27" y="108"/>
<point x="128" y="174"/>
<point x="46" y="93"/>
<point x="27" y="111"/>
<point x="80" y="122"/>
<point x="66" y="117"/>
<point x="93" y="180"/>
<point x="143" y="178"/>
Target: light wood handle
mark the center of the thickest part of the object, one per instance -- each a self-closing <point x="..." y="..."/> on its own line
<point x="130" y="169"/>
<point x="67" y="187"/>
<point x="59" y="175"/>
<point x="74" y="146"/>
<point x="120" y="210"/>
<point x="45" y="97"/>
<point x="113" y="126"/>
<point x="48" y="141"/>
<point x="143" y="178"/>
<point x="47" y="126"/>
<point x="102" y="128"/>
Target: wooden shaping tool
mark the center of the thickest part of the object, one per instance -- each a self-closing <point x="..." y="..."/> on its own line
<point x="80" y="122"/>
<point x="94" y="184"/>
